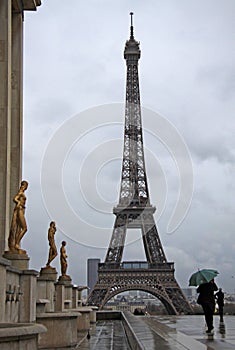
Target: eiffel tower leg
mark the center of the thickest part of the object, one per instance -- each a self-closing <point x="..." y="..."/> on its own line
<point x="152" y="244"/>
<point x="116" y="246"/>
<point x="100" y="291"/>
<point x="178" y="299"/>
<point x="97" y="296"/>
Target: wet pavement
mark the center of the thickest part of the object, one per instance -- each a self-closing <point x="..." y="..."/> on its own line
<point x="159" y="333"/>
<point x="105" y="335"/>
<point x="187" y="330"/>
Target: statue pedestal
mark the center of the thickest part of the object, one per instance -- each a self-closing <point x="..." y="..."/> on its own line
<point x="48" y="273"/>
<point x="46" y="289"/>
<point x="64" y="296"/>
<point x="65" y="279"/>
<point x="19" y="260"/>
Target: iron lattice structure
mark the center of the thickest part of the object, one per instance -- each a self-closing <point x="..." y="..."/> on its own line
<point x="134" y="210"/>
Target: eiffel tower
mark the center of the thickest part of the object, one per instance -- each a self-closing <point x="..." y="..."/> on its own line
<point x="155" y="275"/>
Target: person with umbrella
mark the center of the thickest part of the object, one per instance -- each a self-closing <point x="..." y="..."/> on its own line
<point x="207" y="300"/>
<point x="207" y="287"/>
<point x="219" y="296"/>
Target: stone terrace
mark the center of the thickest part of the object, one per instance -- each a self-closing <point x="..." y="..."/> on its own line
<point x="160" y="333"/>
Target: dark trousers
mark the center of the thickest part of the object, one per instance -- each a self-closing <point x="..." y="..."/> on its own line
<point x="208" y="309"/>
<point x="221" y="312"/>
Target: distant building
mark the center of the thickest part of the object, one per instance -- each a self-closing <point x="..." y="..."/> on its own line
<point x="92" y="272"/>
<point x="124" y="304"/>
<point x="190" y="293"/>
<point x="133" y="293"/>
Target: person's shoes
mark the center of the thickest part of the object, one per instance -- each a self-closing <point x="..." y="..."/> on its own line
<point x="210" y="330"/>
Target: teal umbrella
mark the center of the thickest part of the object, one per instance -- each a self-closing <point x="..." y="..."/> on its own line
<point x="202" y="276"/>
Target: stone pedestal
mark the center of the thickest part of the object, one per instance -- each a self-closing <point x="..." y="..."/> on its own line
<point x="83" y="322"/>
<point x="16" y="336"/>
<point x="93" y="314"/>
<point x="59" y="297"/>
<point x="46" y="289"/>
<point x="48" y="274"/>
<point x="75" y="300"/>
<point x="65" y="279"/>
<point x="3" y="264"/>
<point x="27" y="307"/>
<point x="80" y="289"/>
<point x="61" y="329"/>
<point x="63" y="290"/>
<point x="20" y="261"/>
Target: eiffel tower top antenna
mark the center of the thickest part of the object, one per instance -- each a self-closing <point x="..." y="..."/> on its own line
<point x="132" y="28"/>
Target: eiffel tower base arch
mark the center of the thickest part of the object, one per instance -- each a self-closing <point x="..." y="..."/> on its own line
<point x="157" y="279"/>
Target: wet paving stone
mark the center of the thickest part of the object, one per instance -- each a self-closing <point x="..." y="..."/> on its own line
<point x="159" y="333"/>
<point x="106" y="335"/>
<point x="190" y="331"/>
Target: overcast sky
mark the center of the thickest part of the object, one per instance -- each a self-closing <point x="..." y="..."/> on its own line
<point x="74" y="76"/>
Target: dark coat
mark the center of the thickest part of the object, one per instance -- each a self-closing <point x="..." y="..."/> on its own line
<point x="220" y="298"/>
<point x="206" y="293"/>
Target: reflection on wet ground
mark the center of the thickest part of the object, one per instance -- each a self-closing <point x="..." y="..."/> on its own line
<point x="105" y="335"/>
<point x="160" y="333"/>
<point x="194" y="328"/>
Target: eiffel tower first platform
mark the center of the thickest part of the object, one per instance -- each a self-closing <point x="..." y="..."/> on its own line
<point x="156" y="274"/>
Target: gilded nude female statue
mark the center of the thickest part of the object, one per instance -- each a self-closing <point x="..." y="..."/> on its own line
<point x="51" y="239"/>
<point x="63" y="259"/>
<point x="18" y="224"/>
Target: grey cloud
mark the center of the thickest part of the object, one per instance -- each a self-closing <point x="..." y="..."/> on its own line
<point x="219" y="78"/>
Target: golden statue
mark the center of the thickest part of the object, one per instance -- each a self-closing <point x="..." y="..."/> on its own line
<point x="51" y="239"/>
<point x="18" y="224"/>
<point x="63" y="259"/>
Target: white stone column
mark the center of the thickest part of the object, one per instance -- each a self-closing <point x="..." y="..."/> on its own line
<point x="5" y="117"/>
<point x="11" y="106"/>
<point x="16" y="105"/>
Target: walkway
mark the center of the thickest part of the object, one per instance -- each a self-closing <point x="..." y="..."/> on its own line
<point x="159" y="333"/>
<point x="105" y="335"/>
<point x="189" y="332"/>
